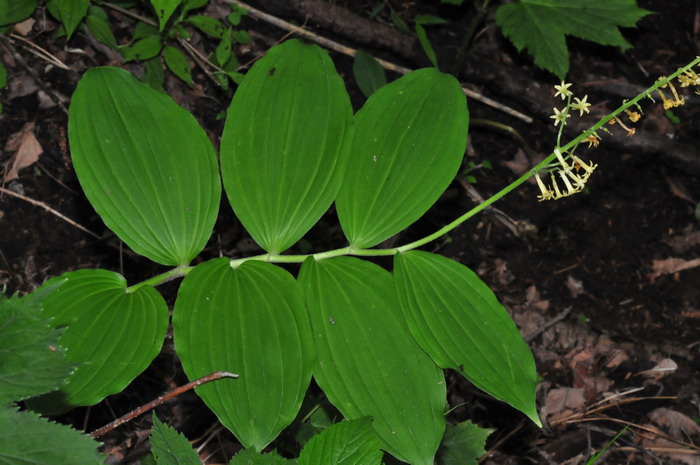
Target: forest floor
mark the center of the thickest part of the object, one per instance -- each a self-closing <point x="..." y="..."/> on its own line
<point x="604" y="285"/>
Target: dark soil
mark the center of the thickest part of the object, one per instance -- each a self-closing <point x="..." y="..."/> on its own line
<point x="597" y="260"/>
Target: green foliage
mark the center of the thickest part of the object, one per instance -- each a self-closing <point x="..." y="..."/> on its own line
<point x="416" y="121"/>
<point x="111" y="335"/>
<point x="463" y="444"/>
<point x="367" y="362"/>
<point x="369" y="74"/>
<point x="32" y="363"/>
<point x="170" y="447"/>
<point x="164" y="9"/>
<point x="540" y="26"/>
<point x="280" y="176"/>
<point x="444" y="302"/>
<point x="14" y="11"/>
<point x="346" y="443"/>
<point x="255" y="323"/>
<point x="146" y="166"/>
<point x="69" y="12"/>
<point x="250" y="457"/>
<point x="178" y="64"/>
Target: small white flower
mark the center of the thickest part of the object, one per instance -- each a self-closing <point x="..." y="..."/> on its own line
<point x="581" y="105"/>
<point x="560" y="116"/>
<point x="563" y="90"/>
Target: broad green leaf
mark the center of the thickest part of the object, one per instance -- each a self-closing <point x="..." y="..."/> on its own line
<point x="463" y="444"/>
<point x="154" y="75"/>
<point x="177" y="63"/>
<point x="14" y="11"/>
<point x="110" y="334"/>
<point x="31" y="360"/>
<point x="143" y="49"/>
<point x="143" y="30"/>
<point x="540" y="26"/>
<point x="208" y="25"/>
<point x="250" y="321"/>
<point x="368" y="364"/>
<point x="145" y="164"/>
<point x="251" y="457"/>
<point x="369" y="74"/>
<point x="170" y="447"/>
<point x="69" y="12"/>
<point x="100" y="28"/>
<point x="286" y="143"/>
<point x="193" y="4"/>
<point x="164" y="9"/>
<point x="409" y="142"/>
<point x="458" y="321"/>
<point x="426" y="45"/>
<point x="347" y="443"/>
<point x="29" y="439"/>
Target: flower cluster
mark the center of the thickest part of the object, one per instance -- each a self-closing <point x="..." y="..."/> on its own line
<point x="573" y="176"/>
<point x="579" y="104"/>
<point x="690" y="78"/>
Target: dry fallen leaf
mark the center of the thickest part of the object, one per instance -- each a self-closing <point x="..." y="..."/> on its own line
<point x="574" y="286"/>
<point x="680" y="428"/>
<point x="663" y="368"/>
<point x="562" y="402"/>
<point x="672" y="265"/>
<point x="27" y="150"/>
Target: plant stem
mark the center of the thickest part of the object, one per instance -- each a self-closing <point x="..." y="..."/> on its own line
<point x="235" y="263"/>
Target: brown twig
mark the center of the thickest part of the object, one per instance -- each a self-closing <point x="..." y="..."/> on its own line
<point x="351" y="52"/>
<point x="50" y="210"/>
<point x="160" y="400"/>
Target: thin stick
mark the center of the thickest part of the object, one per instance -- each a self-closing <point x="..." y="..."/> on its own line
<point x="351" y="52"/>
<point x="160" y="400"/>
<point x="40" y="52"/>
<point x="50" y="210"/>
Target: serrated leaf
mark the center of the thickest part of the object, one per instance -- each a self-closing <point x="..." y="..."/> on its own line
<point x="251" y="457"/>
<point x="31" y="360"/>
<point x="416" y="122"/>
<point x="286" y="143"/>
<point x="111" y="335"/>
<point x="164" y="9"/>
<point x="351" y="442"/>
<point x="177" y="63"/>
<point x="368" y="364"/>
<point x="540" y="26"/>
<point x="145" y="164"/>
<point x="208" y="25"/>
<point x="170" y="447"/>
<point x="69" y="12"/>
<point x="369" y="74"/>
<point x="426" y="45"/>
<point x="101" y="29"/>
<point x="254" y="323"/>
<point x="14" y="11"/>
<point x="143" y="49"/>
<point x="223" y="49"/>
<point x="29" y="439"/>
<point x="459" y="322"/>
<point x="463" y="444"/>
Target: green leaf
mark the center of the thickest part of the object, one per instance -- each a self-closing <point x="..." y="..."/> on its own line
<point x="369" y="74"/>
<point x="3" y="75"/>
<point x="164" y="9"/>
<point x="368" y="364"/>
<point x="69" y="12"/>
<point x="100" y="28"/>
<point x="14" y="11"/>
<point x="177" y="63"/>
<point x="143" y="49"/>
<point x="153" y="74"/>
<point x="459" y="322"/>
<point x="111" y="335"/>
<point x="31" y="360"/>
<point x="208" y="25"/>
<point x="194" y="4"/>
<point x="426" y="45"/>
<point x="29" y="439"/>
<point x="347" y="443"/>
<point x="463" y="444"/>
<point x="223" y="49"/>
<point x="254" y="323"/>
<point x="416" y="122"/>
<point x="143" y="30"/>
<point x="286" y="143"/>
<point x="250" y="457"/>
<point x="145" y="164"/>
<point x="237" y="13"/>
<point x="540" y="26"/>
<point x="453" y="2"/>
<point x="399" y="23"/>
<point x="241" y="36"/>
<point x="170" y="447"/>
<point x="429" y="20"/>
